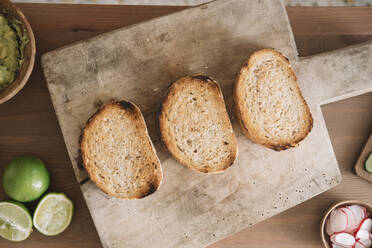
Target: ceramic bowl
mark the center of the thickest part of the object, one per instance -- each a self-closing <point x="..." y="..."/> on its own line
<point x="325" y="238"/>
<point x="11" y="11"/>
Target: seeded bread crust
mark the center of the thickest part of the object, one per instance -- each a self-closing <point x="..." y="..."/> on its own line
<point x="195" y="126"/>
<point x="269" y="104"/>
<point x="118" y="154"/>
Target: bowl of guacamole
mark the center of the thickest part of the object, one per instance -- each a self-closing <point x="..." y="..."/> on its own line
<point x="17" y="50"/>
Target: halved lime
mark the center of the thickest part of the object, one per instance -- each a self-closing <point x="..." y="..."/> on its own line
<point x="53" y="214"/>
<point x="15" y="221"/>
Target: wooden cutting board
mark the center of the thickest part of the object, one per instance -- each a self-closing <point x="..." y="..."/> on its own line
<point x="138" y="63"/>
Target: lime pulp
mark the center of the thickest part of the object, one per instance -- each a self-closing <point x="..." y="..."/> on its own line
<point x="53" y="214"/>
<point x="15" y="221"/>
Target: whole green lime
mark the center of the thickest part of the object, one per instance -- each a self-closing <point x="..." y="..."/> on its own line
<point x="25" y="178"/>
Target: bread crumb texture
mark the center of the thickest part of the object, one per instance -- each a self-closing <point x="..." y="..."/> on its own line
<point x="269" y="103"/>
<point x="118" y="154"/>
<point x="195" y="126"/>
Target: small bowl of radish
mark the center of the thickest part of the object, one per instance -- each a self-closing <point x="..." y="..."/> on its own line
<point x="347" y="224"/>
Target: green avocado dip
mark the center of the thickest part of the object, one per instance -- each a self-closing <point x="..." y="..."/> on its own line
<point x="12" y="43"/>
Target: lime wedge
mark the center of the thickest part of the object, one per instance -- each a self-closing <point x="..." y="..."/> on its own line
<point x="15" y="221"/>
<point x="53" y="214"/>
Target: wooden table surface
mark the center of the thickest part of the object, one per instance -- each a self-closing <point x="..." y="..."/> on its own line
<point x="28" y="124"/>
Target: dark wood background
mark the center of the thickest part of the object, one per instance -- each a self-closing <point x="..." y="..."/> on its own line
<point x="28" y="124"/>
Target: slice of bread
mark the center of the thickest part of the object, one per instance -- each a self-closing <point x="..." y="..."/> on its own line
<point x="195" y="126"/>
<point x="268" y="102"/>
<point x="118" y="154"/>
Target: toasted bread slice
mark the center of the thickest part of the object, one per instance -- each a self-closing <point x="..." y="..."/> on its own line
<point x="118" y="154"/>
<point x="195" y="126"/>
<point x="268" y="101"/>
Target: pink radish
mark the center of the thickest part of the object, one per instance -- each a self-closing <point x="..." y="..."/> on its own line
<point x="337" y="222"/>
<point x="366" y="225"/>
<point x="358" y="210"/>
<point x="343" y="239"/>
<point x="352" y="224"/>
<point x="359" y="213"/>
<point x="362" y="234"/>
<point x="365" y="242"/>
<point x="359" y="245"/>
<point x="328" y="228"/>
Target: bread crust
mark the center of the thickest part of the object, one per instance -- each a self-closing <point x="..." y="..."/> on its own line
<point x="243" y="114"/>
<point x="136" y="114"/>
<point x="171" y="146"/>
